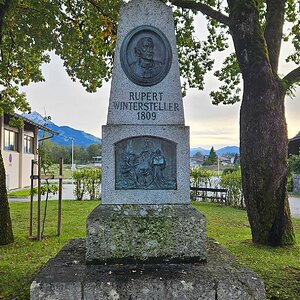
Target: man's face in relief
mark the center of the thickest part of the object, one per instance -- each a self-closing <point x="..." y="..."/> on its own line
<point x="146" y="49"/>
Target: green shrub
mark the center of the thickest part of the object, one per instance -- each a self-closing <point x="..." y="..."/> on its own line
<point x="93" y="179"/>
<point x="233" y="183"/>
<point x="87" y="181"/>
<point x="294" y="164"/>
<point x="201" y="177"/>
<point x="228" y="171"/>
<point x="290" y="184"/>
<point x="50" y="189"/>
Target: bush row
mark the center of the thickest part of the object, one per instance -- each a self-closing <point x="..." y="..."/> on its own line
<point x="230" y="179"/>
<point x="87" y="181"/>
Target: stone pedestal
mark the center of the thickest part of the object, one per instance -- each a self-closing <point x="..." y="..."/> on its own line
<point x="68" y="277"/>
<point x="145" y="234"/>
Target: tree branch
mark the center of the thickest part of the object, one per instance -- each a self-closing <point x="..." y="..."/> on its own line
<point x="273" y="30"/>
<point x="203" y="8"/>
<point x="4" y="9"/>
<point x="292" y="77"/>
<point x="95" y="4"/>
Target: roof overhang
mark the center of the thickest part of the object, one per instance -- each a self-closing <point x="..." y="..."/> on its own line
<point x="39" y="126"/>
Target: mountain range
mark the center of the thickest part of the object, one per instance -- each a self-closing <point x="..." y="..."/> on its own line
<point x="66" y="133"/>
<point x="221" y="151"/>
<point x="81" y="138"/>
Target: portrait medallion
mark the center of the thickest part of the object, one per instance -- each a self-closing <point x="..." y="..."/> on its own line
<point x="146" y="55"/>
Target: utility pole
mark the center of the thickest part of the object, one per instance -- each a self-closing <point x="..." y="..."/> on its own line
<point x="73" y="166"/>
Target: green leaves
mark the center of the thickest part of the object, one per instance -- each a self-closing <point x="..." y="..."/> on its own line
<point x="230" y="75"/>
<point x="87" y="35"/>
<point x="193" y="55"/>
<point x="87" y="181"/>
<point x="232" y="181"/>
<point x="293" y="29"/>
<point x="11" y="99"/>
<point x="26" y="33"/>
<point x="83" y="34"/>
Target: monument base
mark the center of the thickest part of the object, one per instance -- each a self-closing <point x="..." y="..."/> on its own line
<point x="145" y="233"/>
<point x="68" y="277"/>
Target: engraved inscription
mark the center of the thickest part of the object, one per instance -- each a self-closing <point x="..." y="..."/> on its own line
<point x="145" y="162"/>
<point x="146" y="55"/>
<point x="147" y="105"/>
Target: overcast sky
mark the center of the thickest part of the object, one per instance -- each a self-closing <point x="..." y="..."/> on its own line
<point x="69" y="104"/>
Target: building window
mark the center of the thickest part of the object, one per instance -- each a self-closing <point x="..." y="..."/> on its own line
<point x="28" y="144"/>
<point x="10" y="140"/>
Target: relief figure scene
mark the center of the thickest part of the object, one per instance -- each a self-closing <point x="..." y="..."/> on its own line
<point x="146" y="163"/>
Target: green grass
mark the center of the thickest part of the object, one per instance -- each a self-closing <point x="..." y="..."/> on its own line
<point x="21" y="193"/>
<point x="279" y="267"/>
<point x="294" y="195"/>
<point x="54" y="169"/>
<point x="19" y="261"/>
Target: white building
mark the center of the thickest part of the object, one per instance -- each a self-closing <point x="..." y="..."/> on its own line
<point x="19" y="147"/>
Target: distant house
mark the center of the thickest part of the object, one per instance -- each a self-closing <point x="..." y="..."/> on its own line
<point x="96" y="161"/>
<point x="225" y="160"/>
<point x="196" y="162"/>
<point x="19" y="148"/>
<point x="294" y="145"/>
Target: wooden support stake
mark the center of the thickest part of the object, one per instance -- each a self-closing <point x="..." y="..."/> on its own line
<point x="60" y="198"/>
<point x="31" y="199"/>
<point x="39" y="201"/>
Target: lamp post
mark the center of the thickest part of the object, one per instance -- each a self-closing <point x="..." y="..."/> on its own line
<point x="73" y="168"/>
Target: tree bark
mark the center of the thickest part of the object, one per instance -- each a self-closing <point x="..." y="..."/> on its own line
<point x="263" y="131"/>
<point x="263" y="136"/>
<point x="6" y="233"/>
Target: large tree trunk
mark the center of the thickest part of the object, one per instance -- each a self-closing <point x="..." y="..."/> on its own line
<point x="263" y="132"/>
<point x="6" y="233"/>
<point x="264" y="163"/>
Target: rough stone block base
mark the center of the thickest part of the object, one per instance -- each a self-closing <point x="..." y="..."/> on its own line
<point x="145" y="233"/>
<point x="68" y="277"/>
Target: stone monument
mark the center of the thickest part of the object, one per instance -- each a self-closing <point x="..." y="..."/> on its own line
<point x="145" y="213"/>
<point x="145" y="241"/>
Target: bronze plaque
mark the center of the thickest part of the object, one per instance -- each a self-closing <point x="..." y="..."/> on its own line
<point x="146" y="55"/>
<point x="147" y="163"/>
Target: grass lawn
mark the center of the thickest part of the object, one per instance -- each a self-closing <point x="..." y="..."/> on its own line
<point x="279" y="267"/>
<point x="20" y="193"/>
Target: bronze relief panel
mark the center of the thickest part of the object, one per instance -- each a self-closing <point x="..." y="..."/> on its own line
<point x="147" y="163"/>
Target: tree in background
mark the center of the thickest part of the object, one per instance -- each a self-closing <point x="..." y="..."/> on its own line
<point x="94" y="150"/>
<point x="53" y="151"/>
<point x="83" y="34"/>
<point x="10" y="99"/>
<point x="198" y="155"/>
<point x="294" y="164"/>
<point x="212" y="158"/>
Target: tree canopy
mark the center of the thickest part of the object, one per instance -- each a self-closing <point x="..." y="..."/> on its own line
<point x="83" y="34"/>
<point x="212" y="158"/>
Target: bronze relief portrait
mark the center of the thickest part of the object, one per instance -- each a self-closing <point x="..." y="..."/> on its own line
<point x="146" y="56"/>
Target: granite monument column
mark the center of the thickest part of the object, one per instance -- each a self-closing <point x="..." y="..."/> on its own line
<point x="145" y="213"/>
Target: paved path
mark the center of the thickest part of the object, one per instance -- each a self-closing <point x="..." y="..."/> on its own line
<point x="295" y="207"/>
<point x="69" y="188"/>
<point x="67" y="195"/>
